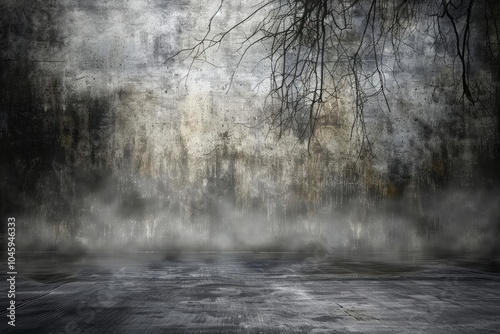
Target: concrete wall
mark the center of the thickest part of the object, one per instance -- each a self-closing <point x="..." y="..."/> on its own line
<point x="106" y="145"/>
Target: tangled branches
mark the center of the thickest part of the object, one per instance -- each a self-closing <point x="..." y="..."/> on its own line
<point x="320" y="49"/>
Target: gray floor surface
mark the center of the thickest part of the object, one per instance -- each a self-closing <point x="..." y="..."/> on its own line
<point x="251" y="293"/>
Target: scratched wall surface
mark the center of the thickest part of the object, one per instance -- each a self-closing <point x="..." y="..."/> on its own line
<point x="105" y="145"/>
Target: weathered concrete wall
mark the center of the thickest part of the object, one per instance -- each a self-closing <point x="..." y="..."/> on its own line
<point x="105" y="143"/>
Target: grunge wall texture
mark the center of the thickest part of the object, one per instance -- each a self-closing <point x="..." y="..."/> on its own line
<point x="104" y="146"/>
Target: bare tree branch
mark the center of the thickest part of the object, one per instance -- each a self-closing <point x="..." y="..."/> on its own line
<point x="319" y="49"/>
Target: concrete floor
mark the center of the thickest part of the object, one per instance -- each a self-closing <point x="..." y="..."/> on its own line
<point x="250" y="293"/>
